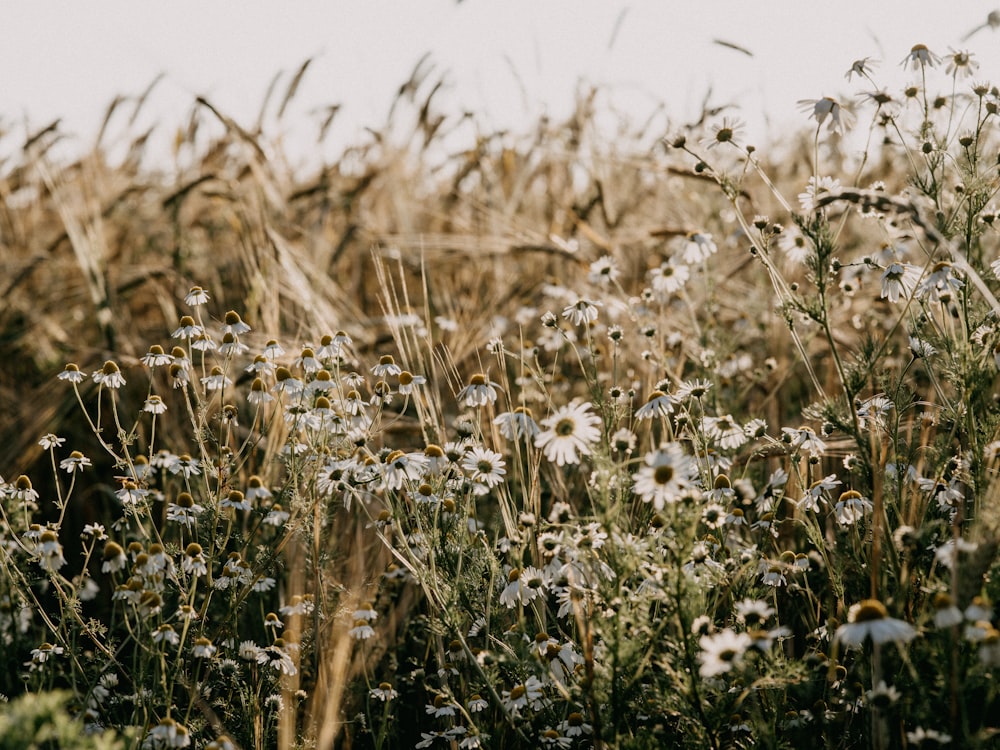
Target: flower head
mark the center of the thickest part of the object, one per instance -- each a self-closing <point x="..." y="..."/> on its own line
<point x="870" y="619"/>
<point x="569" y="433"/>
<point x="828" y="108"/>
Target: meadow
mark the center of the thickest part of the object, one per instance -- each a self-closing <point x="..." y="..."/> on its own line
<point x="558" y="439"/>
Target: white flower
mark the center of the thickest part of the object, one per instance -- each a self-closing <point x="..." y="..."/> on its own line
<point x="668" y="473"/>
<point x="529" y="693"/>
<point x="76" y="461"/>
<point x="50" y="441"/>
<point x="815" y="190"/>
<point x="109" y="376"/>
<point x="479" y="391"/>
<point x="168" y="733"/>
<point x="603" y="271"/>
<point x="196" y="296"/>
<point x="188" y="329"/>
<point x="659" y="404"/>
<point x="569" y="433"/>
<point x="669" y="277"/>
<point x="517" y="424"/>
<point x="899" y="280"/>
<point x="724" y="432"/>
<point x="942" y="280"/>
<point x="851" y="508"/>
<point x="484" y="466"/>
<point x="919" y="56"/>
<point x="960" y="64"/>
<point x="804" y="439"/>
<point x="384" y="692"/>
<point x="722" y="651"/>
<point x="523" y="586"/>
<point x="581" y="312"/>
<point x="827" y="107"/>
<point x="361" y="631"/>
<point x="698" y="247"/>
<point x="870" y="619"/>
<point x="203" y="648"/>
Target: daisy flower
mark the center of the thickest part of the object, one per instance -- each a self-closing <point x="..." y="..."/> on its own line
<point x="816" y="189"/>
<point x="479" y="391"/>
<point x="603" y="271"/>
<point x="484" y="466"/>
<point x="517" y="424"/>
<point x="941" y="280"/>
<point x="960" y="64"/>
<point x="698" y="247"/>
<point x="804" y="439"/>
<point x="668" y="473"/>
<point x="569" y="433"/>
<point x="581" y="312"/>
<point x="659" y="404"/>
<point x="234" y="324"/>
<point x="828" y="107"/>
<point x="919" y="57"/>
<point x="870" y="619"/>
<point x="724" y="432"/>
<point x="861" y="68"/>
<point x="384" y="692"/>
<point x="76" y="461"/>
<point x="669" y="277"/>
<point x="168" y="733"/>
<point x="187" y="329"/>
<point x="71" y="374"/>
<point x="851" y="508"/>
<point x="722" y="651"/>
<point x="156" y="357"/>
<point x="109" y="376"/>
<point x="196" y="296"/>
<point x="899" y="280"/>
<point x="725" y="132"/>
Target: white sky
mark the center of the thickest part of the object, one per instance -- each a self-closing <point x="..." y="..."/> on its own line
<point x="69" y="59"/>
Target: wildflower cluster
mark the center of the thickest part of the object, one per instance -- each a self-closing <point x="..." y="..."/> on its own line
<point x="658" y="506"/>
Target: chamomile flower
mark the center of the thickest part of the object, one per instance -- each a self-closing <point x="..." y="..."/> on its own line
<point x="484" y="466"/>
<point x="725" y="132"/>
<point x="109" y="376"/>
<point x="920" y="57"/>
<point x="697" y="247"/>
<point x="517" y="424"/>
<point x="899" y="280"/>
<point x="384" y="692"/>
<point x="816" y="190"/>
<point x="667" y="475"/>
<point x="71" y="374"/>
<point x="75" y="462"/>
<point x="196" y="296"/>
<point x="479" y="391"/>
<point x="569" y="433"/>
<point x="234" y="324"/>
<point x="187" y="329"/>
<point x="603" y="271"/>
<point x="851" y="508"/>
<point x="154" y="405"/>
<point x="658" y="404"/>
<point x="803" y="439"/>
<point x="669" y="277"/>
<point x="724" y="431"/>
<point x="581" y="312"/>
<point x="869" y="619"/>
<point x="167" y="734"/>
<point x="156" y="357"/>
<point x="827" y="107"/>
<point x="721" y="652"/>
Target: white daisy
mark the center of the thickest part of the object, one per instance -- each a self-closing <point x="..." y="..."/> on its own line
<point x="870" y="619"/>
<point x="569" y="433"/>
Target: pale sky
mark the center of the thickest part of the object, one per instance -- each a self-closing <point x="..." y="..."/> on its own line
<point x="506" y="60"/>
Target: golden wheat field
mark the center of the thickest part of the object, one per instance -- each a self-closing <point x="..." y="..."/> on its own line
<point x="553" y="439"/>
